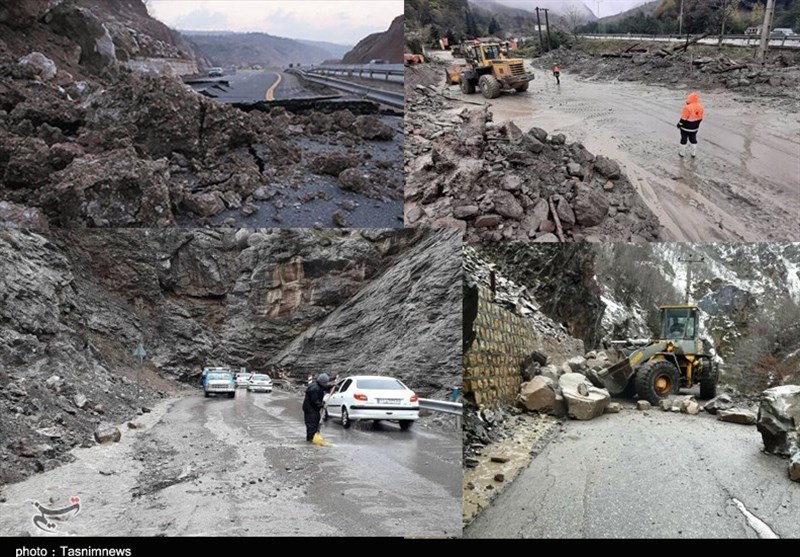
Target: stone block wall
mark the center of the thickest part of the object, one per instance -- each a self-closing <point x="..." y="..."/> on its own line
<point x="502" y="343"/>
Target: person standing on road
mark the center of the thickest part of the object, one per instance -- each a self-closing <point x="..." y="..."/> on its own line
<point x="557" y="73"/>
<point x="690" y="122"/>
<point x="312" y="404"/>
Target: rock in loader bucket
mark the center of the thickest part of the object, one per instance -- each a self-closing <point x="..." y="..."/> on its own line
<point x="614" y="378"/>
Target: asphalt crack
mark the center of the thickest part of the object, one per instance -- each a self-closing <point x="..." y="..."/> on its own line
<point x="762" y="529"/>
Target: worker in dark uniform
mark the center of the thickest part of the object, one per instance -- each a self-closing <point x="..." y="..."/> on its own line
<point x="312" y="404"/>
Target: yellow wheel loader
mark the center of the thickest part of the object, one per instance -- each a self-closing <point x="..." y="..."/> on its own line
<point x="489" y="69"/>
<point x="657" y="368"/>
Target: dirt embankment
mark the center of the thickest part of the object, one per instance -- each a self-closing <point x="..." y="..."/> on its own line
<point x="776" y="83"/>
<point x="499" y="182"/>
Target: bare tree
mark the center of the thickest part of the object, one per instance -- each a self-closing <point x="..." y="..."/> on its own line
<point x="572" y="17"/>
<point x="724" y="10"/>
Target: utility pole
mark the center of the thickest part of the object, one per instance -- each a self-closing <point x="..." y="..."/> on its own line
<point x="598" y="17"/>
<point x="547" y="25"/>
<point x="539" y="25"/>
<point x="762" y="48"/>
<point x="680" y="20"/>
<point x="689" y="259"/>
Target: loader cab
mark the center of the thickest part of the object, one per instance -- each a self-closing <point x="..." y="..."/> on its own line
<point x="482" y="54"/>
<point x="679" y="322"/>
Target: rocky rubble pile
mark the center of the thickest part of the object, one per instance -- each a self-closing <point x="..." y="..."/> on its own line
<point x="699" y="68"/>
<point x="84" y="142"/>
<point x="500" y="183"/>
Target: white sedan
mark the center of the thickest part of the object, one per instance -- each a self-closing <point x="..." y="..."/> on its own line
<point x="242" y="379"/>
<point x="260" y="382"/>
<point x="372" y="397"/>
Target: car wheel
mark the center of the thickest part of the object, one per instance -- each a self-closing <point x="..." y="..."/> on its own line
<point x="232" y="395"/>
<point x="206" y="394"/>
<point x="405" y="425"/>
<point x="345" y="418"/>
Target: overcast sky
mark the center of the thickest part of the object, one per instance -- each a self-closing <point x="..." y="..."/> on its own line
<point x="336" y="21"/>
<point x="606" y="7"/>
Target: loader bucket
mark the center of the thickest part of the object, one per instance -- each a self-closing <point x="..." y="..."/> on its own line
<point x="614" y="378"/>
<point x="453" y="74"/>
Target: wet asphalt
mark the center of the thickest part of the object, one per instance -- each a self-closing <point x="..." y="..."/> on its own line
<point x="648" y="475"/>
<point x="242" y="467"/>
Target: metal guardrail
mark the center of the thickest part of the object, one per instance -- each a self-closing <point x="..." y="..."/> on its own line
<point x="445" y="406"/>
<point x="787" y="41"/>
<point x="391" y="98"/>
<point x="367" y="71"/>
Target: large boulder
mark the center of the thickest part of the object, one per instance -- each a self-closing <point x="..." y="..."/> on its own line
<point x="551" y="372"/>
<point x="737" y="416"/>
<point x="82" y="26"/>
<point x="584" y="400"/>
<point x="577" y="364"/>
<point x="507" y="205"/>
<point x="107" y="433"/>
<point x="45" y="68"/>
<point x="19" y="216"/>
<point x="590" y="206"/>
<point x="114" y="189"/>
<point x="722" y="402"/>
<point x="607" y="167"/>
<point x="779" y="419"/>
<point x="538" y="394"/>
<point x="794" y="467"/>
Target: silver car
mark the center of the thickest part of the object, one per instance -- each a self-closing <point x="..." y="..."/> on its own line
<point x="260" y="382"/>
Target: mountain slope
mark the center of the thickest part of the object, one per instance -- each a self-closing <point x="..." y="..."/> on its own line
<point x="387" y="45"/>
<point x="74" y="304"/>
<point x="749" y="295"/>
<point x="237" y="49"/>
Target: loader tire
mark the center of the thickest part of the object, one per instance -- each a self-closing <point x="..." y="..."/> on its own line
<point x="655" y="380"/>
<point x="709" y="380"/>
<point x="490" y="87"/>
<point x="467" y="86"/>
<point x="522" y="88"/>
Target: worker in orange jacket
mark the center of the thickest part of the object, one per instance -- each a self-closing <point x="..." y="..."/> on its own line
<point x="690" y="122"/>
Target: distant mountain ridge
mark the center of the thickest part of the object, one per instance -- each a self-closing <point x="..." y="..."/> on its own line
<point x="225" y="48"/>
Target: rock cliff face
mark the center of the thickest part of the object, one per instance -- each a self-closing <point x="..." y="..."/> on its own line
<point x="385" y="46"/>
<point x="406" y="323"/>
<point x="75" y="304"/>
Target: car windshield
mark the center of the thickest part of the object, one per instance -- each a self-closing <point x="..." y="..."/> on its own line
<point x="260" y="378"/>
<point x="387" y="384"/>
<point x="219" y="376"/>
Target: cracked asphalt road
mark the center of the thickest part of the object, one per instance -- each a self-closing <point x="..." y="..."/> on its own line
<point x="647" y="475"/>
<point x="242" y="467"/>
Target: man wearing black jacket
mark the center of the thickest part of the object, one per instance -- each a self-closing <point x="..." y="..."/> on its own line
<point x="312" y="404"/>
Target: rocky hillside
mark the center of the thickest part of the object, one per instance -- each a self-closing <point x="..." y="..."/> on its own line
<point x="411" y="329"/>
<point x="246" y="49"/>
<point x="74" y="304"/>
<point x="86" y="36"/>
<point x="387" y="45"/>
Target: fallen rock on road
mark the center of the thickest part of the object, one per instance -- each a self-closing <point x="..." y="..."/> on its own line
<point x="500" y="183"/>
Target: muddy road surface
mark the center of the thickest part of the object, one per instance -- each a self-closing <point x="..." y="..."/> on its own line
<point x="744" y="184"/>
<point x="242" y="467"/>
<point x="648" y="475"/>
